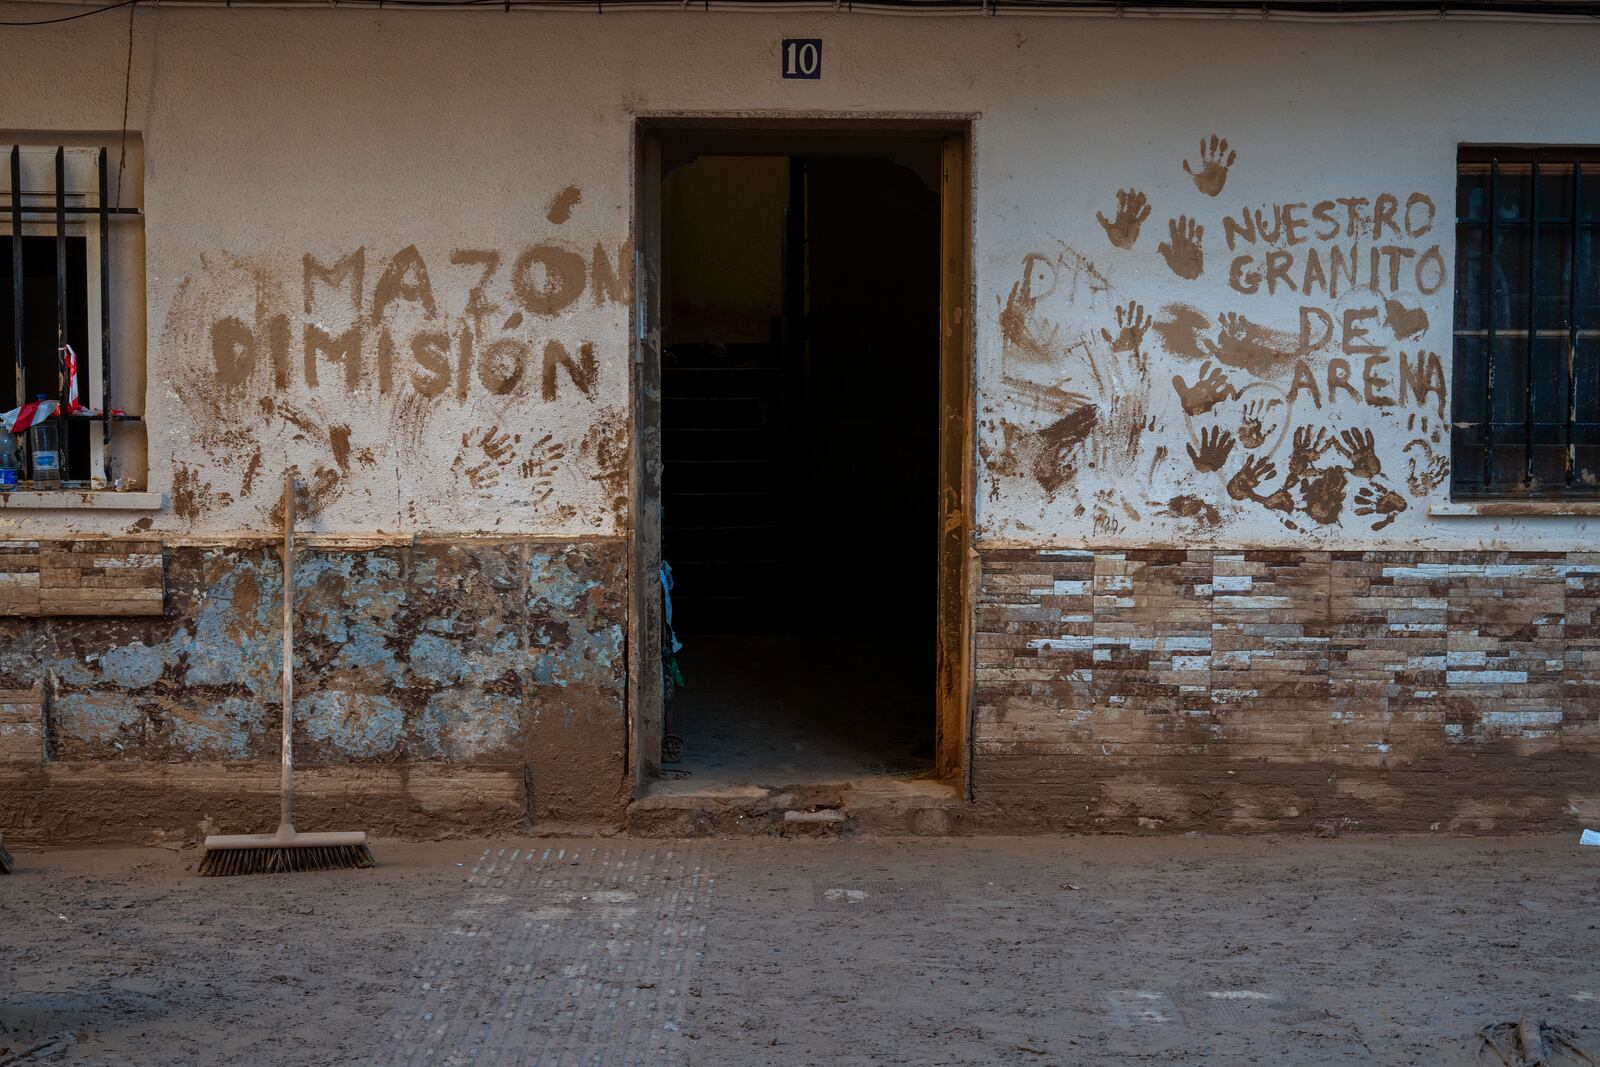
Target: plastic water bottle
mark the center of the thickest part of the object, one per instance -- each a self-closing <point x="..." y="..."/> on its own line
<point x="8" y="462"/>
<point x="46" y="441"/>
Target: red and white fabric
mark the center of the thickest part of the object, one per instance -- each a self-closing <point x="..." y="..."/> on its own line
<point x="69" y="359"/>
<point x="20" y="419"/>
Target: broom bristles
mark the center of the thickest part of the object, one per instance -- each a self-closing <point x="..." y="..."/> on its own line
<point x="6" y="862"/>
<point x="276" y="859"/>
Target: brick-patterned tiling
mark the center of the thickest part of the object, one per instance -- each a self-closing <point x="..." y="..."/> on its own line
<point x="21" y="726"/>
<point x="63" y="577"/>
<point x="1364" y="664"/>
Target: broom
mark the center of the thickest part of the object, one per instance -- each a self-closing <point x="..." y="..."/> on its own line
<point x="286" y="850"/>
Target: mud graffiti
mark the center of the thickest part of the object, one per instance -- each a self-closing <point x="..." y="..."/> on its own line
<point x="1132" y="324"/>
<point x="1211" y="173"/>
<point x="401" y="319"/>
<point x="1132" y="211"/>
<point x="560" y="207"/>
<point x="192" y="495"/>
<point x="1253" y="431"/>
<point x="1189" y="506"/>
<point x="1288" y="394"/>
<point x="1208" y="390"/>
<point x="270" y="350"/>
<point x="484" y="457"/>
<point x="1182" y="248"/>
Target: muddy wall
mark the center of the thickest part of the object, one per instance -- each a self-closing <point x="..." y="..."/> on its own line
<point x="1213" y="262"/>
<point x="505" y="652"/>
<point x="394" y="252"/>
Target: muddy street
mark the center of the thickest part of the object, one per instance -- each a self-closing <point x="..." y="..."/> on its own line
<point x="958" y="951"/>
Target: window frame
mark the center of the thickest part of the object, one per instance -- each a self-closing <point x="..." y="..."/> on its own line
<point x="1582" y="233"/>
<point x="65" y="196"/>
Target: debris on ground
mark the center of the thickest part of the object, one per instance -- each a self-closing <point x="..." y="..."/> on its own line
<point x="1531" y="1043"/>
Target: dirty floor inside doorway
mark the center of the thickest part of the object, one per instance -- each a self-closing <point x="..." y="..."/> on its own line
<point x="862" y="951"/>
<point x="774" y="709"/>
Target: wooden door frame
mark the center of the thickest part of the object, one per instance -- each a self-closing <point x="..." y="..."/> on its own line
<point x="957" y="574"/>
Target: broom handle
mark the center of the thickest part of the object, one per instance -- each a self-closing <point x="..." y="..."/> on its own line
<point x="286" y="792"/>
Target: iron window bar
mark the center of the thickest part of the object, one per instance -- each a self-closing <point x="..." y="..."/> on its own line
<point x="59" y="210"/>
<point x="1570" y="460"/>
<point x="1538" y="163"/>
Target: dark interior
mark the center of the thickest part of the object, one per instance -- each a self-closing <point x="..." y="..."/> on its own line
<point x="800" y="471"/>
<point x="40" y="345"/>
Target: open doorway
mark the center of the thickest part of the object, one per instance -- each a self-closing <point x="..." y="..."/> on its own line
<point x="798" y="477"/>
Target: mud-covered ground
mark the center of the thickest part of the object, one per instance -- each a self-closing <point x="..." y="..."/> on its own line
<point x="1065" y="951"/>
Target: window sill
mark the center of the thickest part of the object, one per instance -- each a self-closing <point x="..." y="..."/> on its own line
<point x="79" y="500"/>
<point x="1508" y="509"/>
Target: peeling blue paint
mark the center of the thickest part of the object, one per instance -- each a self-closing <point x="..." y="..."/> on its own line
<point x="132" y="666"/>
<point x="226" y="733"/>
<point x="553" y="584"/>
<point x="435" y="659"/>
<point x="366" y="647"/>
<point x="460" y="726"/>
<point x="223" y="647"/>
<point x="353" y="724"/>
<point x="108" y="718"/>
<point x="466" y="651"/>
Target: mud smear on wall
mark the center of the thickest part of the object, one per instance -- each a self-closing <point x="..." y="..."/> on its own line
<point x="1259" y="350"/>
<point x="339" y="444"/>
<point x="251" y="332"/>
<point x="606" y="444"/>
<point x="192" y="496"/>
<point x="1017" y="316"/>
<point x="1188" y="506"/>
<point x="561" y="204"/>
<point x="1324" y="494"/>
<point x="1404" y="322"/>
<point x="1050" y="456"/>
<point x="251" y="470"/>
<point x="1181" y="329"/>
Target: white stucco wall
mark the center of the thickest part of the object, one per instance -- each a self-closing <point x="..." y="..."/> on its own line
<point x="416" y="139"/>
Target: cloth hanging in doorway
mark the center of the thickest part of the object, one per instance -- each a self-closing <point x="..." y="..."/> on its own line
<point x="666" y="595"/>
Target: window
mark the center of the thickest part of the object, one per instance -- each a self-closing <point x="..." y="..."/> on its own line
<point x="68" y="277"/>
<point x="1527" y="324"/>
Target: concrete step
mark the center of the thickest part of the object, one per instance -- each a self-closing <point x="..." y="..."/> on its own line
<point x="874" y="807"/>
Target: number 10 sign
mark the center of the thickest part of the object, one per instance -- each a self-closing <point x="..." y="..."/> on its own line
<point x="802" y="58"/>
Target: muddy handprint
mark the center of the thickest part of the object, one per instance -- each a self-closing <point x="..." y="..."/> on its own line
<point x="1242" y="486"/>
<point x="1208" y="390"/>
<point x="1324" y="494"/>
<point x="1378" y="500"/>
<point x="1132" y="322"/>
<point x="1308" y="448"/>
<point x="499" y="451"/>
<point x="1215" y="445"/>
<point x="1426" y="470"/>
<point x="1357" y="446"/>
<point x="1211" y="173"/>
<point x="1132" y="210"/>
<point x="1427" y="467"/>
<point x="1253" y="431"/>
<point x="1182" y="249"/>
<point x="1281" y="500"/>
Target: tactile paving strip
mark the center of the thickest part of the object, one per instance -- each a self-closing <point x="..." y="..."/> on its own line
<point x="560" y="956"/>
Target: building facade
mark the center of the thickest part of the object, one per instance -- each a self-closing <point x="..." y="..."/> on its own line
<point x="1224" y="302"/>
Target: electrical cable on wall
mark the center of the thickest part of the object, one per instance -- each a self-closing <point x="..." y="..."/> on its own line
<point x="1279" y="10"/>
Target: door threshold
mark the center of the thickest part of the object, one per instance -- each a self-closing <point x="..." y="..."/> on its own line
<point x="877" y="805"/>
